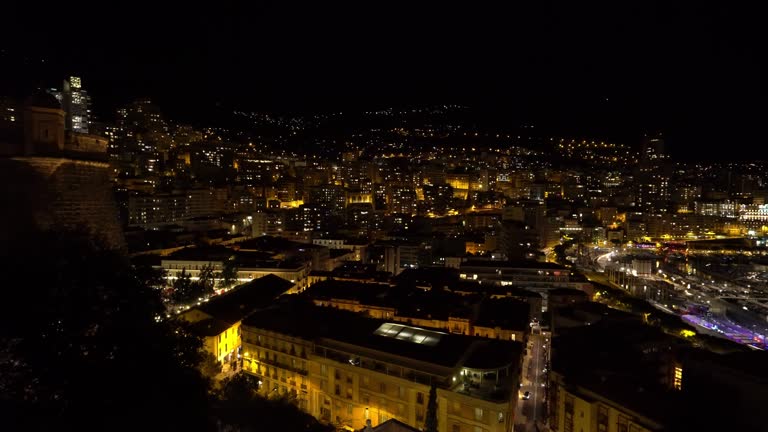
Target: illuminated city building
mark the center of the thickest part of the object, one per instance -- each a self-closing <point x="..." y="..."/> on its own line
<point x="76" y="103"/>
<point x="361" y="215"/>
<point x="252" y="265"/>
<point x="634" y="384"/>
<point x="719" y="208"/>
<point x="10" y="113"/>
<point x="217" y="321"/>
<point x="501" y="317"/>
<point x="653" y="177"/>
<point x="574" y="408"/>
<point x="312" y="216"/>
<point x="532" y="275"/>
<point x="155" y="210"/>
<point x="268" y="222"/>
<point x="346" y="369"/>
<point x="402" y="200"/>
<point x="331" y="198"/>
<point x="755" y="217"/>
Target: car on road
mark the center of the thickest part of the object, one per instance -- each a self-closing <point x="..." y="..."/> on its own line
<point x="526" y="395"/>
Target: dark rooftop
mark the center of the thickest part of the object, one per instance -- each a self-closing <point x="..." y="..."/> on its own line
<point x="42" y="99"/>
<point x="392" y="425"/>
<point x="351" y="328"/>
<point x="491" y="353"/>
<point x="356" y="270"/>
<point x="408" y="300"/>
<point x="273" y="244"/>
<point x="206" y="253"/>
<point x="366" y="293"/>
<point x="335" y="253"/>
<point x="567" y="291"/>
<point x="506" y="313"/>
<point x="208" y="327"/>
<point x="236" y="304"/>
<point x="619" y="360"/>
<point x="428" y="276"/>
<point x="245" y="259"/>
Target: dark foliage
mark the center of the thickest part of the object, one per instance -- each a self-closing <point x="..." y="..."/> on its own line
<point x="81" y="347"/>
<point x="237" y="407"/>
<point x="430" y="422"/>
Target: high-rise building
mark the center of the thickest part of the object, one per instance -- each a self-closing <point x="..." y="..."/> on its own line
<point x="402" y="200"/>
<point x="76" y="104"/>
<point x="331" y="198"/>
<point x="653" y="178"/>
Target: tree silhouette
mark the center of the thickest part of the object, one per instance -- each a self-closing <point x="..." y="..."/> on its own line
<point x="186" y="291"/>
<point x="229" y="273"/>
<point x="430" y="422"/>
<point x="82" y="345"/>
<point x="183" y="289"/>
<point x="238" y="407"/>
<point x="203" y="286"/>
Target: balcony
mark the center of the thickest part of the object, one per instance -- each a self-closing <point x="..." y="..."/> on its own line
<point x="492" y="388"/>
<point x="384" y="368"/>
<point x="276" y="363"/>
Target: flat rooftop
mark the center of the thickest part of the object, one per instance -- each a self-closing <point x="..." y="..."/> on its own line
<point x="237" y="303"/>
<point x="409" y="301"/>
<point x="302" y="319"/>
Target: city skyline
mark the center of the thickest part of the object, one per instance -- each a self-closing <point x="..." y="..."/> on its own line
<point x="358" y="218"/>
<point x="613" y="73"/>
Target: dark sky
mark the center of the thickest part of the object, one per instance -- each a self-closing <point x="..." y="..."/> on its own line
<point x="694" y="71"/>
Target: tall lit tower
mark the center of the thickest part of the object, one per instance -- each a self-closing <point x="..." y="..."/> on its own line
<point x="76" y="104"/>
<point x="652" y="186"/>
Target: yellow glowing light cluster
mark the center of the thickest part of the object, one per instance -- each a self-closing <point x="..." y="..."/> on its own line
<point x="291" y="204"/>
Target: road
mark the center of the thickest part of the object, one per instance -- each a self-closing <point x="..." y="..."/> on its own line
<point x="531" y="411"/>
<point x="695" y="291"/>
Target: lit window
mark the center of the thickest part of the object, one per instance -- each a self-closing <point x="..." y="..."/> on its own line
<point x="678" y="382"/>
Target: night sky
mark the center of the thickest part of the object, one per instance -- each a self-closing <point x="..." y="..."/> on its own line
<point x="694" y="71"/>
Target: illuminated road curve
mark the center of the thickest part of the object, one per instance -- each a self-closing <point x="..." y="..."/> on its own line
<point x="724" y="327"/>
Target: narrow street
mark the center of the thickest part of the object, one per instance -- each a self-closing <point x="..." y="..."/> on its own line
<point x="531" y="411"/>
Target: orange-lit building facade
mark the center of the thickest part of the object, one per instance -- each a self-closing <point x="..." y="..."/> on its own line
<point x="345" y="383"/>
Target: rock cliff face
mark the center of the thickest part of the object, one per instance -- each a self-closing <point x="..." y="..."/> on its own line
<point x="57" y="193"/>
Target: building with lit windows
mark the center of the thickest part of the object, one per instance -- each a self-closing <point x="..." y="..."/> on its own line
<point x="631" y="380"/>
<point x="470" y="314"/>
<point x="269" y="222"/>
<point x="251" y="265"/>
<point x="653" y="177"/>
<point x="719" y="208"/>
<point x="575" y="408"/>
<point x="402" y="200"/>
<point x="217" y="321"/>
<point x="346" y="369"/>
<point x="156" y="210"/>
<point x="10" y="113"/>
<point x="361" y="216"/>
<point x="332" y="198"/>
<point x="76" y="103"/>
<point x="755" y="217"/>
<point x="312" y="216"/>
<point x="527" y="274"/>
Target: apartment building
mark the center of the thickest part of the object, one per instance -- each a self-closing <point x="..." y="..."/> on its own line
<point x="345" y="369"/>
